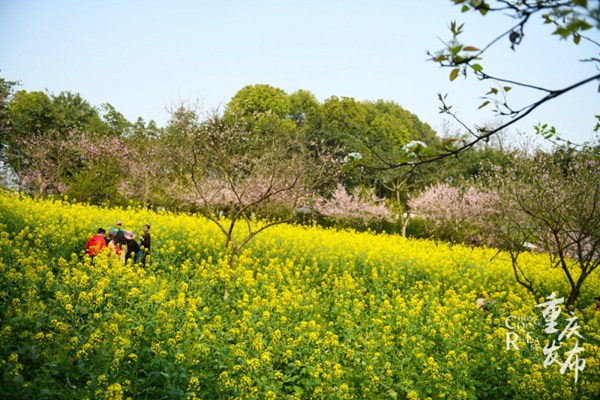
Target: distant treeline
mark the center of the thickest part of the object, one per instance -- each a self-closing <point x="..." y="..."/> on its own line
<point x="60" y="145"/>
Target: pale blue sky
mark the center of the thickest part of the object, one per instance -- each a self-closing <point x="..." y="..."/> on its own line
<point x="143" y="56"/>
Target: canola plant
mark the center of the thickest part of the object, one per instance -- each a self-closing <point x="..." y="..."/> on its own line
<point x="309" y="313"/>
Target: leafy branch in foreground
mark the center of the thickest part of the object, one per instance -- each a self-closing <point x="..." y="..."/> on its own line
<point x="571" y="19"/>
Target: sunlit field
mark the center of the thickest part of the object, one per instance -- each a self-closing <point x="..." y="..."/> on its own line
<point x="310" y="313"/>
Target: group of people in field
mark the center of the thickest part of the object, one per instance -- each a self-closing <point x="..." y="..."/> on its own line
<point x="121" y="243"/>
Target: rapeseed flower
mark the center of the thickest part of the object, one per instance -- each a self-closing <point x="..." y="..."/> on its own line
<point x="311" y="312"/>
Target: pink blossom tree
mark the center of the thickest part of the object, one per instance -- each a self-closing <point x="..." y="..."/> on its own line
<point x="232" y="175"/>
<point x="557" y="202"/>
<point x="147" y="177"/>
<point x="548" y="202"/>
<point x="79" y="164"/>
<point x="47" y="162"/>
<point x="353" y="208"/>
<point x="457" y="214"/>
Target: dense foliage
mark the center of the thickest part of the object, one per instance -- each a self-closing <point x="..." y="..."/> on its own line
<point x="312" y="313"/>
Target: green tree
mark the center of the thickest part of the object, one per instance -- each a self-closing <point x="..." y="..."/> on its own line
<point x="59" y="144"/>
<point x="261" y="107"/>
<point x="344" y="123"/>
<point x="7" y="89"/>
<point x="29" y="115"/>
<point x="71" y="112"/>
<point x="399" y="125"/>
<point x="254" y="100"/>
<point x="114" y="122"/>
<point x="305" y="110"/>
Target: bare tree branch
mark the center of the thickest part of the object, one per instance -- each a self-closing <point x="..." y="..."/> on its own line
<point x="483" y="133"/>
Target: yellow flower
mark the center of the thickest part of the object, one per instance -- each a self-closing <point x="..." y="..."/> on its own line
<point x="270" y="395"/>
<point x="114" y="392"/>
<point x="337" y="371"/>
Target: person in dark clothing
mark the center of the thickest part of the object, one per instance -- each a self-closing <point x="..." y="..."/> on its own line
<point x="120" y="239"/>
<point x="145" y="244"/>
<point x="133" y="248"/>
<point x="110" y="236"/>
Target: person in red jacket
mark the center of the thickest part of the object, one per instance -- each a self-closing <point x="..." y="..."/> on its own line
<point x="96" y="243"/>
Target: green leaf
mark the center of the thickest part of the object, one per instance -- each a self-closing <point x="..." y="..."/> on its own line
<point x="456" y="29"/>
<point x="582" y="3"/>
<point x="426" y="152"/>
<point x="576" y="38"/>
<point x="298" y="390"/>
<point x="477" y="67"/>
<point x="507" y="88"/>
<point x="452" y="26"/>
<point x="454" y="74"/>
<point x="465" y="8"/>
<point x="446" y="109"/>
<point x="485" y="103"/>
<point x="562" y="32"/>
<point x="454" y="50"/>
<point x="577" y="24"/>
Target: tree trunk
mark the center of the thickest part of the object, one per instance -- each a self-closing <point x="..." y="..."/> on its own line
<point x="575" y="290"/>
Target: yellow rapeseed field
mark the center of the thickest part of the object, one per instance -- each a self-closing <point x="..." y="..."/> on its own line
<point x="310" y="313"/>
